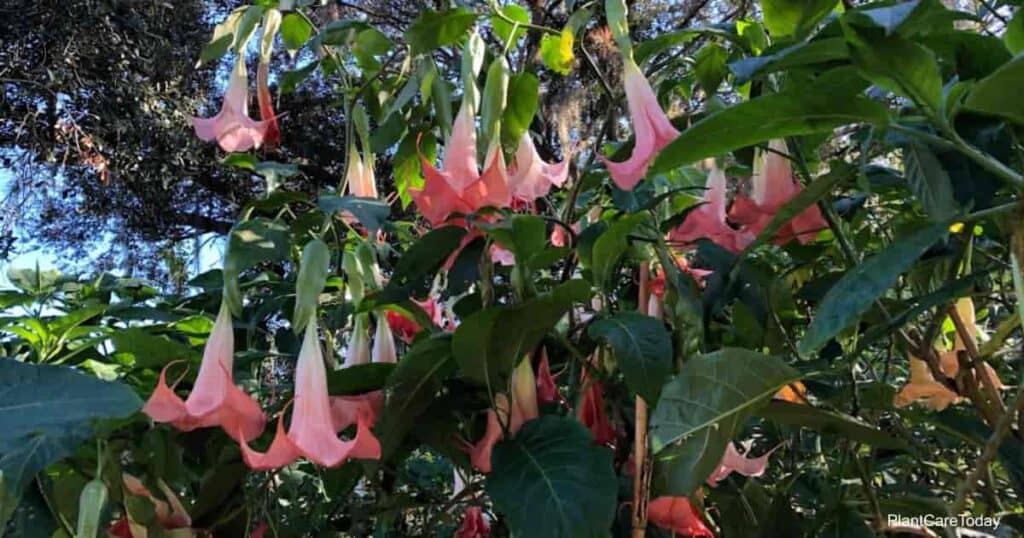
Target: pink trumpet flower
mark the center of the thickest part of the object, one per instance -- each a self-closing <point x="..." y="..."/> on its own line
<point x="273" y="134"/>
<point x="346" y="410"/>
<point x="591" y="413"/>
<point x="547" y="390"/>
<point x="773" y="185"/>
<point x="708" y="220"/>
<point x="214" y="400"/>
<point x="232" y="127"/>
<point x="733" y="461"/>
<point x="523" y="407"/>
<point x="360" y="177"/>
<point x="653" y="131"/>
<point x="532" y="178"/>
<point x="312" y="433"/>
<point x="678" y="515"/>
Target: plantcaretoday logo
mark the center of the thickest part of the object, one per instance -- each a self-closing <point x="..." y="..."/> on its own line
<point x="934" y="520"/>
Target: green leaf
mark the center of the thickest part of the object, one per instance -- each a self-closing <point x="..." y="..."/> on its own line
<point x="854" y="293"/>
<point x="611" y="245"/>
<point x="215" y="49"/>
<point x="47" y="412"/>
<point x="150" y="350"/>
<point x="434" y="29"/>
<point x="1014" y="35"/>
<point x="996" y="94"/>
<point x="359" y="378"/>
<point x="772" y="116"/>
<point x="814" y="52"/>
<point x="794" y="17"/>
<point x="896" y="64"/>
<point x="929" y="181"/>
<point x="522" y="105"/>
<point x="504" y="29"/>
<point x="412" y="386"/>
<point x="709" y="67"/>
<point x="701" y="410"/>
<point x="313" y="271"/>
<point x="370" y="212"/>
<point x="829" y="423"/>
<point x="490" y="342"/>
<point x="250" y="243"/>
<point x="551" y="481"/>
<point x="556" y="51"/>
<point x="291" y="79"/>
<point x="642" y="348"/>
<point x="417" y="267"/>
<point x="295" y="31"/>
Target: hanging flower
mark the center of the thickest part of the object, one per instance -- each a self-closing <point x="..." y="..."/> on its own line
<point x="272" y="137"/>
<point x="547" y="390"/>
<point x="406" y="328"/>
<point x="734" y="462"/>
<point x="531" y="177"/>
<point x="652" y="129"/>
<point x="312" y="433"/>
<point x="473" y="524"/>
<point x="358" y="351"/>
<point x="214" y="400"/>
<point x="168" y="512"/>
<point x="514" y="413"/>
<point x="360" y="177"/>
<point x="346" y="410"/>
<point x="679" y="516"/>
<point x="772" y="186"/>
<point x="707" y="221"/>
<point x="232" y="127"/>
<point x="923" y="386"/>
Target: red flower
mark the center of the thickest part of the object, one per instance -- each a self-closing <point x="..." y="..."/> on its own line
<point x="473" y="524"/>
<point x="591" y="413"/>
<point x="678" y="515"/>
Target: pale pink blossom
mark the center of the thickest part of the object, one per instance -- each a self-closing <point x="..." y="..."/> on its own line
<point x="232" y="127"/>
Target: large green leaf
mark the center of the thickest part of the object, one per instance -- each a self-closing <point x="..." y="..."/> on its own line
<point x="855" y="292"/>
<point x="897" y="64"/>
<point x="412" y="386"/>
<point x="997" y="95"/>
<point x="149" y="350"/>
<point x="359" y="378"/>
<point x="370" y="212"/>
<point x="46" y="412"/>
<point x="772" y="116"/>
<point x="252" y="242"/>
<point x="702" y="408"/>
<point x="417" y="267"/>
<point x="794" y="17"/>
<point x="810" y="53"/>
<point x="490" y="342"/>
<point x="434" y="29"/>
<point x="829" y="422"/>
<point x="709" y="67"/>
<point x="641" y="346"/>
<point x="551" y="481"/>
<point x="521" y="107"/>
<point x="815" y="191"/>
<point x="611" y="245"/>
<point x="929" y="181"/>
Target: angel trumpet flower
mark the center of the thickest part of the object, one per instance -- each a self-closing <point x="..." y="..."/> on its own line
<point x="346" y="410"/>
<point x="678" y="515"/>
<point x="591" y="413"/>
<point x="359" y="346"/>
<point x="514" y="413"/>
<point x="653" y="131"/>
<point x="773" y="185"/>
<point x="360" y="177"/>
<point x="532" y="178"/>
<point x="708" y="220"/>
<point x="474" y="525"/>
<point x="406" y="328"/>
<point x="232" y="127"/>
<point x="215" y="400"/>
<point x="734" y="462"/>
<point x="272" y="137"/>
<point x="547" y="390"/>
<point x="312" y="433"/>
<point x="923" y="386"/>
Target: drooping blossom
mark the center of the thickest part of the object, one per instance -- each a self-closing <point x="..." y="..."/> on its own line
<point x="530" y="177"/>
<point x="312" y="433"/>
<point x="708" y="221"/>
<point x="772" y="186"/>
<point x="170" y="514"/>
<point x="358" y="351"/>
<point x="592" y="414"/>
<point x="794" y="392"/>
<point x="474" y="524"/>
<point x="360" y="177"/>
<point x="346" y="410"/>
<point x="547" y="390"/>
<point x="923" y="387"/>
<point x="511" y="412"/>
<point x="232" y="127"/>
<point x="272" y="136"/>
<point x="679" y="516"/>
<point x="214" y="400"/>
<point x="734" y="462"/>
<point x="406" y="328"/>
<point x="652" y="129"/>
<point x="459" y="187"/>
